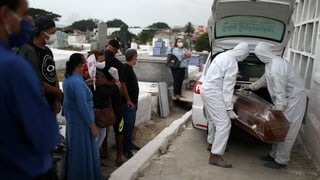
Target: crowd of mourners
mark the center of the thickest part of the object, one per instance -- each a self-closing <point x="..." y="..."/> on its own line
<point x="31" y="99"/>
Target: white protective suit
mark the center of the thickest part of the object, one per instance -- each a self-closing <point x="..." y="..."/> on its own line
<point x="216" y="93"/>
<point x="287" y="92"/>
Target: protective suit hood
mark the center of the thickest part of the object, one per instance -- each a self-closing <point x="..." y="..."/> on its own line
<point x="264" y="52"/>
<point x="240" y="51"/>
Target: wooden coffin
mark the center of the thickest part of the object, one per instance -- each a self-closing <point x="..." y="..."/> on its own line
<point x="257" y="117"/>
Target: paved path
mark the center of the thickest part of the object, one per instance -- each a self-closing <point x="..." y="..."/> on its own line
<point x="187" y="159"/>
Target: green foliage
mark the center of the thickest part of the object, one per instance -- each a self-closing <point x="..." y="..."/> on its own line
<point x="159" y="25"/>
<point x="189" y="30"/>
<point x="115" y="23"/>
<point x="34" y="13"/>
<point x="202" y="43"/>
<point x="84" y="25"/>
<point x="145" y="36"/>
<point x="116" y="35"/>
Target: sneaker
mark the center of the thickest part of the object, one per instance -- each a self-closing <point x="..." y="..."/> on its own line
<point x="274" y="165"/>
<point x="267" y="158"/>
<point x="119" y="163"/>
<point x="135" y="147"/>
<point x="217" y="160"/>
<point x="128" y="154"/>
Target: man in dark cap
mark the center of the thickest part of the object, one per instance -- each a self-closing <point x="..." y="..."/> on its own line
<point x="115" y="94"/>
<point x="29" y="130"/>
<point x="44" y="31"/>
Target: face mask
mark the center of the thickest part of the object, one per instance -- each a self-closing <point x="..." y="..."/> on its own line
<point x="52" y="38"/>
<point x="101" y="65"/>
<point x="179" y="44"/>
<point x="109" y="55"/>
<point x="24" y="36"/>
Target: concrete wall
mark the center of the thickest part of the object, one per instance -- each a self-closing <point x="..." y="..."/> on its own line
<point x="152" y="69"/>
<point x="305" y="57"/>
<point x="310" y="131"/>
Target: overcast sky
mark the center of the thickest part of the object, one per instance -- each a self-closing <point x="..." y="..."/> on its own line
<point x="133" y="12"/>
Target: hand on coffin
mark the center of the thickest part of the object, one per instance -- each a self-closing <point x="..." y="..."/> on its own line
<point x="232" y="115"/>
<point x="244" y="87"/>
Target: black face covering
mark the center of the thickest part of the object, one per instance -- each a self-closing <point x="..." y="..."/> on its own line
<point x="108" y="54"/>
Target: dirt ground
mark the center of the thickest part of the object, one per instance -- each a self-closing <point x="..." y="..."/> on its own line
<point x="145" y="132"/>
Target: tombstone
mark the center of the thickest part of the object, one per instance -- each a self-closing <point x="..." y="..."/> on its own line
<point x="159" y="48"/>
<point x="102" y="35"/>
<point x="124" y="38"/>
<point x="61" y="41"/>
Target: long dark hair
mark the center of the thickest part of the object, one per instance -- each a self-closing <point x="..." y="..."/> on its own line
<point x="74" y="60"/>
<point x="175" y="43"/>
<point x="12" y="4"/>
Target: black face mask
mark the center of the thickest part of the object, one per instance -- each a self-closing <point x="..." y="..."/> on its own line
<point x="108" y="54"/>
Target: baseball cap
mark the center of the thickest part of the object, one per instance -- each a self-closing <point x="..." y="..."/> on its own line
<point x="42" y="23"/>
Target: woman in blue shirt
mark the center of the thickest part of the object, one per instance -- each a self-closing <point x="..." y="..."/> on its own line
<point x="179" y="73"/>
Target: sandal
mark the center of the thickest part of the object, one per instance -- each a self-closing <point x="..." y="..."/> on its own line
<point x="119" y="163"/>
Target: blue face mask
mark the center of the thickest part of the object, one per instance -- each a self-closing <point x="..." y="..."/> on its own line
<point x="24" y="36"/>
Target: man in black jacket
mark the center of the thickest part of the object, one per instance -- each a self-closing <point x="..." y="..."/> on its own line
<point x="111" y="61"/>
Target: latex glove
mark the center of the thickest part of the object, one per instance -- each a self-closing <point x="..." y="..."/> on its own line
<point x="245" y="87"/>
<point x="278" y="108"/>
<point x="232" y="115"/>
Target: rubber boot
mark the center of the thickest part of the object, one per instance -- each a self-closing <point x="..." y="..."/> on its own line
<point x="217" y="160"/>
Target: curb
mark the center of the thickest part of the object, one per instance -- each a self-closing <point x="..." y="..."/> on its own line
<point x="142" y="159"/>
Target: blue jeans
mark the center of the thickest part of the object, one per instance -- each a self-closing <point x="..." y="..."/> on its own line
<point x="129" y="117"/>
<point x="101" y="136"/>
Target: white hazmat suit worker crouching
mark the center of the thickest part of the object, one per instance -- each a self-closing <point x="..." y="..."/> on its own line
<point x="288" y="94"/>
<point x="216" y="93"/>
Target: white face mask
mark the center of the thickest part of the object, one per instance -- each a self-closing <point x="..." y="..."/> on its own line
<point x="52" y="38"/>
<point x="100" y="65"/>
<point x="179" y="44"/>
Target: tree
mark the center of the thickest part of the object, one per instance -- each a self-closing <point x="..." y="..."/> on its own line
<point x="84" y="25"/>
<point x="189" y="30"/>
<point x="34" y="13"/>
<point x="202" y="43"/>
<point x="145" y="36"/>
<point x="159" y="25"/>
<point x="116" y="35"/>
<point x="115" y="23"/>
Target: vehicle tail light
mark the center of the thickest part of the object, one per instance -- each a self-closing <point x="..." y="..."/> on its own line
<point x="197" y="87"/>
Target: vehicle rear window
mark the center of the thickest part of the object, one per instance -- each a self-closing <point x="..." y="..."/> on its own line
<point x="250" y="26"/>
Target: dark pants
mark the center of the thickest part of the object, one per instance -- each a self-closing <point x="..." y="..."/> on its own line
<point x="49" y="175"/>
<point x="129" y="117"/>
<point x="115" y="95"/>
<point x="178" y="77"/>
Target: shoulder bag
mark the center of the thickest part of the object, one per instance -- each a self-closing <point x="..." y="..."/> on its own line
<point x="172" y="61"/>
<point x="105" y="117"/>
